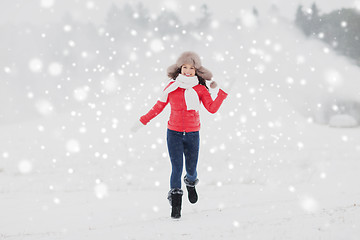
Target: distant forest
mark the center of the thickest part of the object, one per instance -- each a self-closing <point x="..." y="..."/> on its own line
<point x="340" y="29"/>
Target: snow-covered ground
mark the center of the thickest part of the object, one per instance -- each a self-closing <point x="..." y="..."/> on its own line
<point x="270" y="167"/>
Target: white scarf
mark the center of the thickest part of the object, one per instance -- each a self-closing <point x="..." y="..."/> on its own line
<point x="191" y="96"/>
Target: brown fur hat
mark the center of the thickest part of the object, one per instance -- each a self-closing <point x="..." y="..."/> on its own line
<point x="189" y="58"/>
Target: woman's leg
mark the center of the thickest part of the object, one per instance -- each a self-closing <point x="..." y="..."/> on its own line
<point x="191" y="151"/>
<point x="176" y="151"/>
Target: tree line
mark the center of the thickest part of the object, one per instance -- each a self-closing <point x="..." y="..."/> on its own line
<point x="340" y="29"/>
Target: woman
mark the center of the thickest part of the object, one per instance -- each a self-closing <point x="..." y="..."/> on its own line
<point x="184" y="93"/>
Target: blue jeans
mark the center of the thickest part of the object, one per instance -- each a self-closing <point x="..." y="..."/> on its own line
<point x="180" y="144"/>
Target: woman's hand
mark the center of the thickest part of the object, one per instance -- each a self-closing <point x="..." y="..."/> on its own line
<point x="136" y="126"/>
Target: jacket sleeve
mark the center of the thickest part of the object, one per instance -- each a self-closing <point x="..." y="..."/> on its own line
<point x="212" y="105"/>
<point x="155" y="110"/>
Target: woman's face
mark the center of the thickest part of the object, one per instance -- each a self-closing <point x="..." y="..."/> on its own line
<point x="188" y="70"/>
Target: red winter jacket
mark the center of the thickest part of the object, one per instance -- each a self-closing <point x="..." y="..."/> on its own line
<point x="181" y="119"/>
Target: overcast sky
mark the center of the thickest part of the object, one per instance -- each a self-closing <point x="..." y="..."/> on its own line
<point x="42" y="11"/>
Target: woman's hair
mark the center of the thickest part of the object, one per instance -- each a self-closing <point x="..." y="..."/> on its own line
<point x="201" y="80"/>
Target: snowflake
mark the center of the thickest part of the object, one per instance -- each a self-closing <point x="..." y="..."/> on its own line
<point x="73" y="146"/>
<point x="101" y="190"/>
<point x="309" y="204"/>
<point x="55" y="69"/>
<point x="80" y="94"/>
<point x="47" y="3"/>
<point x="44" y="107"/>
<point x="156" y="45"/>
<point x="25" y="166"/>
<point x="35" y="65"/>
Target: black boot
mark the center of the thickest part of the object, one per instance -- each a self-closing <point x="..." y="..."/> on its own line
<point x="175" y="199"/>
<point x="190" y="186"/>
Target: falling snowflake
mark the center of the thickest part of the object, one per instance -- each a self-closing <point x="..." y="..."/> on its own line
<point x="90" y="5"/>
<point x="67" y="28"/>
<point x="300" y="59"/>
<point x="25" y="166"/>
<point x="5" y="155"/>
<point x="248" y="19"/>
<point x="333" y="78"/>
<point x="44" y="107"/>
<point x="155" y="208"/>
<point x="73" y="146"/>
<point x="7" y="69"/>
<point x="35" y="65"/>
<point x="80" y="94"/>
<point x="309" y="204"/>
<point x="236" y="224"/>
<point x="291" y="188"/>
<point x="110" y="84"/>
<point x="55" y="69"/>
<point x="101" y="190"/>
<point x="57" y="201"/>
<point x="156" y="45"/>
<point x="47" y="3"/>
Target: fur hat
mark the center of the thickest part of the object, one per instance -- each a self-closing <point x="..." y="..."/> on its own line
<point x="189" y="58"/>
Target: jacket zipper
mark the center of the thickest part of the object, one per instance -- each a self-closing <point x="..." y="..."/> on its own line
<point x="182" y="116"/>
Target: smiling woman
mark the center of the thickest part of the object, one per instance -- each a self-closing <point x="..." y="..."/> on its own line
<point x="186" y="90"/>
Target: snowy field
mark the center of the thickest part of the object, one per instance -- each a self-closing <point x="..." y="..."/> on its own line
<point x="270" y="166"/>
